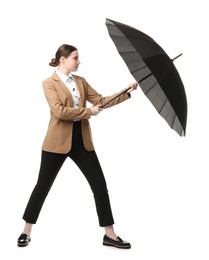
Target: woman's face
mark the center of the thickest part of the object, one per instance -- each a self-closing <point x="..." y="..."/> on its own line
<point x="71" y="63"/>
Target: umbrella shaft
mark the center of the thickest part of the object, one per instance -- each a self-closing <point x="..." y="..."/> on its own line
<point x="103" y="105"/>
<point x="145" y="77"/>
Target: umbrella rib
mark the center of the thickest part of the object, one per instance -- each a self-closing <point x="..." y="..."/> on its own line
<point x="163" y="105"/>
<point x="133" y="71"/>
<point x="121" y="52"/>
<point x="182" y="131"/>
<point x="151" y="87"/>
<point x="173" y="121"/>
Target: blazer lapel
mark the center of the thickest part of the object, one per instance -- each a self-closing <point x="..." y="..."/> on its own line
<point x="62" y="86"/>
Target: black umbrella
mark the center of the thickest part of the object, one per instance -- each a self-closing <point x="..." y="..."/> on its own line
<point x="154" y="70"/>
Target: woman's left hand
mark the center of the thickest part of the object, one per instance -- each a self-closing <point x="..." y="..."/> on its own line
<point x="132" y="87"/>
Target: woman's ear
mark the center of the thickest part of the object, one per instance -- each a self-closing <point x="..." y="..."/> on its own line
<point x="62" y="59"/>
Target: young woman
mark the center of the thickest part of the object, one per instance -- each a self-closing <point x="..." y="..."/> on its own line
<point x="69" y="135"/>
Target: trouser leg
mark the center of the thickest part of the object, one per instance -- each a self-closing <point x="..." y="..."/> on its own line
<point x="90" y="167"/>
<point x="50" y="166"/>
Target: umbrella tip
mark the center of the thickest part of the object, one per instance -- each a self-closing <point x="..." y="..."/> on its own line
<point x="177" y="56"/>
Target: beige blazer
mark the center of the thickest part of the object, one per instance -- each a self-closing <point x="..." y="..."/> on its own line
<point x="58" y="138"/>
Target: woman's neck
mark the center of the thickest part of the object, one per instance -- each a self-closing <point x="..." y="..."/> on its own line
<point x="64" y="71"/>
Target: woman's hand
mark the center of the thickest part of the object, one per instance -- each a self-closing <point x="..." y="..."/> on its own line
<point x="132" y="87"/>
<point x="95" y="110"/>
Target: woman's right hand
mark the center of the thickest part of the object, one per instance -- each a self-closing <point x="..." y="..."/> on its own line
<point x="95" y="110"/>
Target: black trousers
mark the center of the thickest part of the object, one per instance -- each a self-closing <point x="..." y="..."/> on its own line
<point x="88" y="163"/>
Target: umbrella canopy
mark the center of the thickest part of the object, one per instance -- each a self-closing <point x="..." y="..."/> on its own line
<point x="154" y="70"/>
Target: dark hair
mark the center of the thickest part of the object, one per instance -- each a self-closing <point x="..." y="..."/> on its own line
<point x="63" y="51"/>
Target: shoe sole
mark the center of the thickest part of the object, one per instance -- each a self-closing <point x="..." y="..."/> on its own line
<point x="114" y="245"/>
<point x="23" y="245"/>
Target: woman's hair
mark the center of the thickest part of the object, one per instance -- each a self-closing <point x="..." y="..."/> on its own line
<point x="63" y="51"/>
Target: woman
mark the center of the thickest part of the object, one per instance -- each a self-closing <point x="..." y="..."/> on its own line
<point x="69" y="135"/>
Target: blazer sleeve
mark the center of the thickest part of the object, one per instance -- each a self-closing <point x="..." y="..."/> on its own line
<point x="58" y="109"/>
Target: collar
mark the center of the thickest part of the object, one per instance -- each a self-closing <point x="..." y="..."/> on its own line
<point x="63" y="77"/>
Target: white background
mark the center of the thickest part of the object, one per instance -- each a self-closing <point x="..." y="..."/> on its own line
<point x="157" y="180"/>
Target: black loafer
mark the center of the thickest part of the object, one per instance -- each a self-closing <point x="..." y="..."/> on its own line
<point x="119" y="243"/>
<point x="23" y="240"/>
